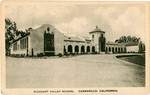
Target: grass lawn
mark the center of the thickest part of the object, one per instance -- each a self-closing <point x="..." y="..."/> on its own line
<point x="137" y="59"/>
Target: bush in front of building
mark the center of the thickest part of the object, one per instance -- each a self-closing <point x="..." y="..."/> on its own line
<point x="22" y="55"/>
<point x="66" y="54"/>
<point x="98" y="52"/>
<point x="12" y="55"/>
<point x="94" y="52"/>
<point x="40" y="54"/>
<point x="74" y="54"/>
<point x="82" y="53"/>
<point x="86" y="53"/>
<point x="17" y="55"/>
<point x="60" y="54"/>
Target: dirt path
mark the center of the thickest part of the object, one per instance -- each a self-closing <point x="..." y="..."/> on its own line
<point x="80" y="71"/>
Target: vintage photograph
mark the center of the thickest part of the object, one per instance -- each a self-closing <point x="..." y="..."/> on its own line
<point x="75" y="45"/>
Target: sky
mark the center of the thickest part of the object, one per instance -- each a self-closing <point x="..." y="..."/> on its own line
<point x="73" y="20"/>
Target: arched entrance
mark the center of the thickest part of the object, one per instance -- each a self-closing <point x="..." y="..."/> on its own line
<point x="82" y="49"/>
<point x="109" y="49"/>
<point x="70" y="48"/>
<point x="119" y="50"/>
<point x="76" y="48"/>
<point x="113" y="49"/>
<point x="88" y="49"/>
<point x="125" y="50"/>
<point x="116" y="49"/>
<point x="93" y="49"/>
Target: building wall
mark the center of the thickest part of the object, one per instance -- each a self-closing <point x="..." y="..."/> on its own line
<point x="132" y="48"/>
<point x="36" y="43"/>
<point x="19" y="50"/>
<point x="117" y="48"/>
<point x="80" y="44"/>
<point x="58" y="42"/>
<point x="37" y="40"/>
<point x="95" y="40"/>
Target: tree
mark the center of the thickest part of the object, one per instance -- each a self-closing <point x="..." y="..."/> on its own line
<point x="125" y="39"/>
<point x="10" y="28"/>
<point x="10" y="32"/>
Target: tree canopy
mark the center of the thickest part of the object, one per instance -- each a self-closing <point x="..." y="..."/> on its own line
<point x="11" y="32"/>
<point x="126" y="39"/>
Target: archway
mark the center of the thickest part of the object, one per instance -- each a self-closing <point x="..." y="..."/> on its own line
<point x="88" y="49"/>
<point x="77" y="48"/>
<point x="113" y="49"/>
<point x="82" y="49"/>
<point x="70" y="48"/>
<point x="93" y="49"/>
<point x="109" y="49"/>
<point x="125" y="50"/>
<point x="116" y="49"/>
<point x="119" y="50"/>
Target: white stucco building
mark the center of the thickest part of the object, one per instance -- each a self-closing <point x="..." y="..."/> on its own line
<point x="50" y="41"/>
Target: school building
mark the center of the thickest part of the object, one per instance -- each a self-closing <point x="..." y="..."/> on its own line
<point x="50" y="41"/>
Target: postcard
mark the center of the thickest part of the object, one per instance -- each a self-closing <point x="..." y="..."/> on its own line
<point x="75" y="47"/>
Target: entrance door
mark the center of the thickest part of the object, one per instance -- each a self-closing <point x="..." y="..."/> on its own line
<point x="49" y="44"/>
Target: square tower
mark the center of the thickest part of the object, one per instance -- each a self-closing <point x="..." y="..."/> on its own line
<point x="96" y="36"/>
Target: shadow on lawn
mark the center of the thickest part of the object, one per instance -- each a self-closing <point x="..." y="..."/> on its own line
<point x="137" y="59"/>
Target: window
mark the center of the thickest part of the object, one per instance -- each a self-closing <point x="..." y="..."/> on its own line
<point x="48" y="29"/>
<point x="92" y="36"/>
<point x="23" y="43"/>
<point x="48" y="42"/>
<point x="15" y="46"/>
<point x="101" y="35"/>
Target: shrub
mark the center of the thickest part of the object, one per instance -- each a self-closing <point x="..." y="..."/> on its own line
<point x="98" y="52"/>
<point x="22" y="55"/>
<point x="27" y="55"/>
<point x="12" y="55"/>
<point x="66" y="54"/>
<point x="17" y="55"/>
<point x="30" y="56"/>
<point x="60" y="54"/>
<point x="94" y="52"/>
<point x="40" y="54"/>
<point x="73" y="54"/>
<point x="82" y="52"/>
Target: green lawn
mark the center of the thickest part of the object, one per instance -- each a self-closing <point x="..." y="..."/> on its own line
<point x="137" y="59"/>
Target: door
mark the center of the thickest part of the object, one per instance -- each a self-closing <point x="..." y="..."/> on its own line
<point x="49" y="43"/>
